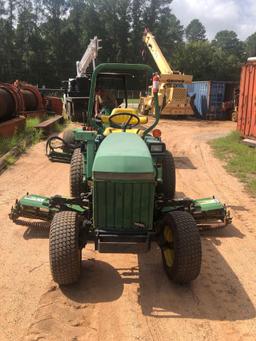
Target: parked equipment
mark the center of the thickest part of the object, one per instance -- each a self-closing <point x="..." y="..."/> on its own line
<point x="77" y="92"/>
<point x="173" y="96"/>
<point x="213" y="99"/>
<point x="124" y="186"/>
<point x="17" y="101"/>
<point x="246" y="122"/>
<point x="11" y="101"/>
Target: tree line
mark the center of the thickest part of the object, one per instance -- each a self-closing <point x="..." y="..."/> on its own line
<point x="42" y="39"/>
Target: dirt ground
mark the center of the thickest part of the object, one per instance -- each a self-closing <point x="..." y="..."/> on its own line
<point x="128" y="297"/>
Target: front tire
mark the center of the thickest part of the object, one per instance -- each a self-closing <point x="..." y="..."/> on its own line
<point x="76" y="174"/>
<point x="65" y="252"/>
<point x="168" y="186"/>
<point x="180" y="247"/>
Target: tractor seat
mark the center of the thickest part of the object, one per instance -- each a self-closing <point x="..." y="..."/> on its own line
<point x="122" y="119"/>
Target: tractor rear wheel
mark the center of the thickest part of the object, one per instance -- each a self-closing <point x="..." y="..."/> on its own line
<point x="168" y="186"/>
<point x="65" y="253"/>
<point x="180" y="247"/>
<point x="76" y="174"/>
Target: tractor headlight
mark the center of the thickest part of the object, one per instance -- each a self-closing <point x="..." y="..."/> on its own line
<point x="157" y="147"/>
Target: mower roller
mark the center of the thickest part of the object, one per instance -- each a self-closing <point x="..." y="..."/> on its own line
<point x="123" y="187"/>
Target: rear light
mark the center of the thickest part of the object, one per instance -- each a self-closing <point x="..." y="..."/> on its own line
<point x="156" y="133"/>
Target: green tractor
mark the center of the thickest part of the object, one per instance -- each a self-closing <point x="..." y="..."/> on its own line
<point x="123" y="197"/>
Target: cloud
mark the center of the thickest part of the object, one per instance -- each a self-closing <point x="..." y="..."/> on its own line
<point x="217" y="15"/>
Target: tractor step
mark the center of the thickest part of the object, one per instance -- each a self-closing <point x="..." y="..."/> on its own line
<point x="116" y="243"/>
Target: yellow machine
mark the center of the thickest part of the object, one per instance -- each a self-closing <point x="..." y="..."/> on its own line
<point x="172" y="96"/>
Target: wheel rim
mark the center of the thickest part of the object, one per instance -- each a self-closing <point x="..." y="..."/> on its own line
<point x="168" y="250"/>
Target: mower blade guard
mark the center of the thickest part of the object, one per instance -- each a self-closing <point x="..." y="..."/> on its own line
<point x="39" y="207"/>
<point x="210" y="212"/>
<point x="32" y="206"/>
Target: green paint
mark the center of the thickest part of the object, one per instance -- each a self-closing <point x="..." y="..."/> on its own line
<point x="121" y="206"/>
<point x="34" y="200"/>
<point x="88" y="137"/>
<point x="208" y="204"/>
<point x="43" y="203"/>
<point x="123" y="153"/>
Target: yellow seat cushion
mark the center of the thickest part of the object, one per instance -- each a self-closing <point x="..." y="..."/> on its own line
<point x="125" y="111"/>
<point x="110" y="130"/>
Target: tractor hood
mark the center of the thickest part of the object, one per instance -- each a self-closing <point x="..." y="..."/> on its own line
<point x="123" y="156"/>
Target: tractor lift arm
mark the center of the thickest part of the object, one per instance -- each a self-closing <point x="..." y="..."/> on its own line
<point x="207" y="212"/>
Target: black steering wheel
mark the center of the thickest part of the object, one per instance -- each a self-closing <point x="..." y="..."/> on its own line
<point x="126" y="124"/>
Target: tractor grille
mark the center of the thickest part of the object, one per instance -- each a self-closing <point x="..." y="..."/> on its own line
<point x="179" y="94"/>
<point x="123" y="205"/>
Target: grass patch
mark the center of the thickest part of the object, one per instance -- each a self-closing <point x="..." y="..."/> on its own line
<point x="27" y="137"/>
<point x="240" y="159"/>
<point x="10" y="160"/>
<point x="59" y="127"/>
<point x="22" y="139"/>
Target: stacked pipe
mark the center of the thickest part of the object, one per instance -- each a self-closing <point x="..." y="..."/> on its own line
<point x="11" y="101"/>
<point x="18" y="98"/>
<point x="32" y="98"/>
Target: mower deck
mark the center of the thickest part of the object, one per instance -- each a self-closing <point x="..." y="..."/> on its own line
<point x="207" y="212"/>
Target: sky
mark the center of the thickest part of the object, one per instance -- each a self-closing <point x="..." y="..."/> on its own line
<point x="217" y="15"/>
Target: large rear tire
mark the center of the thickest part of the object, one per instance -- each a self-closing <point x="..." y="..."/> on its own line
<point x="64" y="250"/>
<point x="180" y="246"/>
<point x="168" y="186"/>
<point x="76" y="174"/>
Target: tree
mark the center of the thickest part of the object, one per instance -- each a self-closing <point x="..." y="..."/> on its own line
<point x="251" y="45"/>
<point x="52" y="31"/>
<point x="8" y="64"/>
<point x="137" y="27"/>
<point x="195" y="58"/>
<point x="154" y="11"/>
<point x="229" y="43"/>
<point x="42" y="39"/>
<point x="195" y="31"/>
<point x="2" y="8"/>
<point x="25" y="27"/>
<point x="226" y="66"/>
<point x="170" y="34"/>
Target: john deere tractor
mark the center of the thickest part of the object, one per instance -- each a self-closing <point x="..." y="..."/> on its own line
<point x="124" y="197"/>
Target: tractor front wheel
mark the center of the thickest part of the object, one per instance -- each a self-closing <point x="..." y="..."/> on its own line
<point x="168" y="186"/>
<point x="76" y="174"/>
<point x="180" y="247"/>
<point x="64" y="249"/>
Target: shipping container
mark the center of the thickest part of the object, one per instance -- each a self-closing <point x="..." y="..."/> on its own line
<point x="210" y="98"/>
<point x="246" y="122"/>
